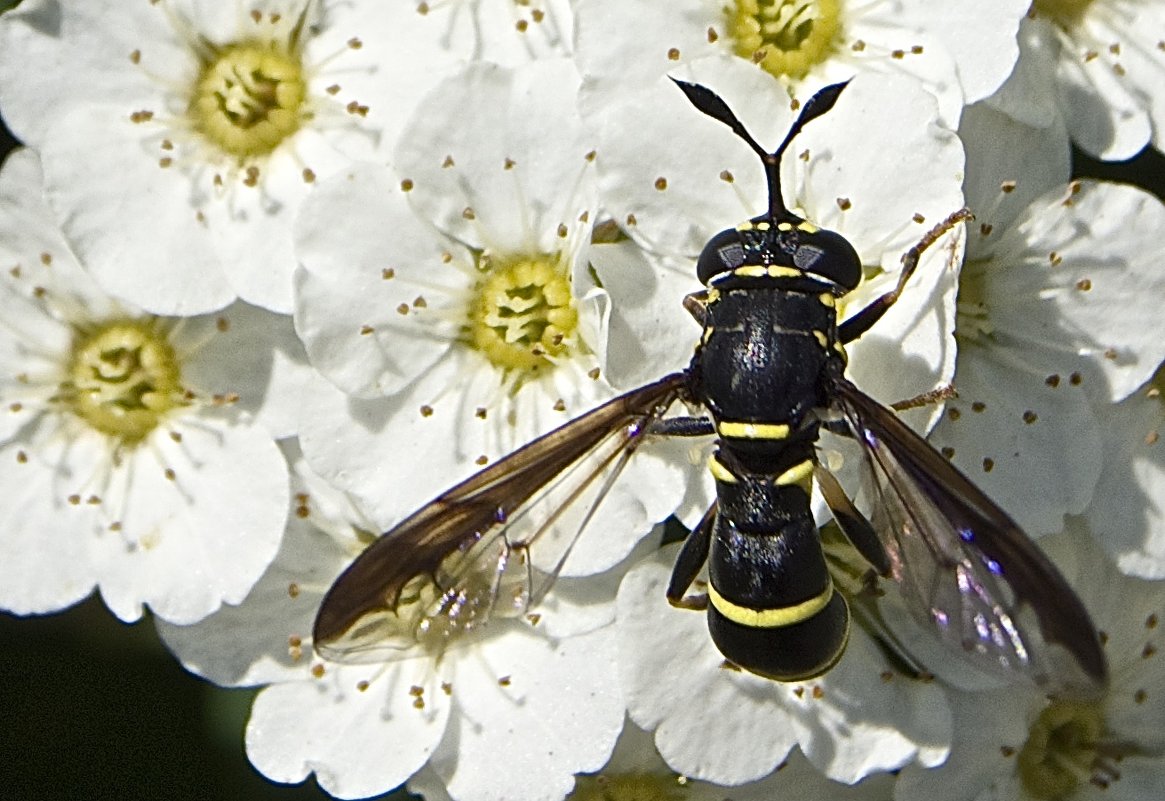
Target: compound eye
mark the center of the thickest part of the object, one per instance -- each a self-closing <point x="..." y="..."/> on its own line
<point x="723" y="253"/>
<point x="829" y="255"/>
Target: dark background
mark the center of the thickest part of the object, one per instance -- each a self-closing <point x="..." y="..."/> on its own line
<point x="93" y="709"/>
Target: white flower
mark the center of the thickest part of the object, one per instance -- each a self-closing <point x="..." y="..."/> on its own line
<point x="513" y="716"/>
<point x="1129" y="502"/>
<point x="267" y="638"/>
<point x="511" y="710"/>
<point x="1009" y="164"/>
<point x="861" y="717"/>
<point x="1015" y="744"/>
<point x="125" y="460"/>
<point x="960" y="51"/>
<point x="505" y="32"/>
<point x="1057" y="312"/>
<point x="179" y="137"/>
<point x="635" y="772"/>
<point x="454" y="306"/>
<point x="1101" y="66"/>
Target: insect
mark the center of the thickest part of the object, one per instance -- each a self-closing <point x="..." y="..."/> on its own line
<point x="769" y="370"/>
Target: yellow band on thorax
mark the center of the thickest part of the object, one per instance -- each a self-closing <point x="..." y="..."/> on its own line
<point x="769" y="271"/>
<point x="737" y="430"/>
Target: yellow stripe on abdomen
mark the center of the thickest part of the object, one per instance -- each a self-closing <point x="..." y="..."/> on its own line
<point x="799" y="474"/>
<point x="770" y="618"/>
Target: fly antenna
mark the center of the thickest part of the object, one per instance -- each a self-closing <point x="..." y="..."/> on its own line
<point x="714" y="106"/>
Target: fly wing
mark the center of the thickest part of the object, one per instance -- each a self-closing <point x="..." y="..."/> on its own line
<point x="443" y="569"/>
<point x="966" y="569"/>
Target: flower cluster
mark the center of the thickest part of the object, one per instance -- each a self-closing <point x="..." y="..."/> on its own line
<point x="276" y="272"/>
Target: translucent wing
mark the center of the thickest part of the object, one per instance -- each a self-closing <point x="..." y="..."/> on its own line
<point x="467" y="554"/>
<point x="965" y="567"/>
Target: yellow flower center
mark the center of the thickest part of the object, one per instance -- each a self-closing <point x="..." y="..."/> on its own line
<point x="523" y="314"/>
<point x="124" y="377"/>
<point x="627" y="787"/>
<point x="786" y="37"/>
<point x="1066" y="13"/>
<point x="249" y="98"/>
<point x="1062" y="750"/>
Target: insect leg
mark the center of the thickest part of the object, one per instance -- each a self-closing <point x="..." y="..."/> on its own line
<point x="688" y="563"/>
<point x="697" y="305"/>
<point x="857" y="529"/>
<point x="861" y="322"/>
<point x="695" y="551"/>
<point x="943" y="393"/>
<point x="682" y="427"/>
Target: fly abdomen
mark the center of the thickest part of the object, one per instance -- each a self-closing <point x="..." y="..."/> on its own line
<point x="772" y="606"/>
<point x="782" y="651"/>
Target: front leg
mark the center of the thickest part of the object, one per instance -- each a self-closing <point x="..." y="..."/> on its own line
<point x="697" y="306"/>
<point x="861" y="322"/>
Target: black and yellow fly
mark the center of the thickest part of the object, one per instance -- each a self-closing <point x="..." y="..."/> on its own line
<point x="769" y="370"/>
